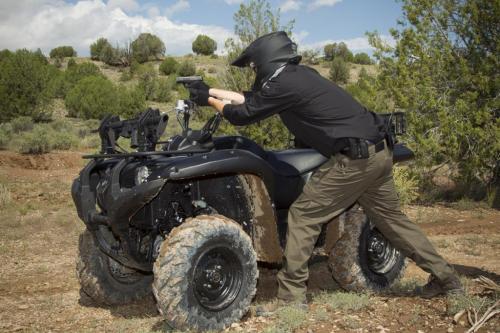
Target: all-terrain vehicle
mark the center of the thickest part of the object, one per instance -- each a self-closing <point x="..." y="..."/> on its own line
<point x="189" y="219"/>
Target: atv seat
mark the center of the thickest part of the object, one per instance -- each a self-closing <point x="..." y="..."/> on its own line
<point x="294" y="162"/>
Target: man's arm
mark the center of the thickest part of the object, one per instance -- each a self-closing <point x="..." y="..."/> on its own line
<point x="234" y="97"/>
<point x="271" y="99"/>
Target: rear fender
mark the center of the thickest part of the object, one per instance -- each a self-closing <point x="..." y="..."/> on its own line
<point x="264" y="229"/>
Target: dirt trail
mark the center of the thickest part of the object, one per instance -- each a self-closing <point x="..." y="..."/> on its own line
<point x="39" y="292"/>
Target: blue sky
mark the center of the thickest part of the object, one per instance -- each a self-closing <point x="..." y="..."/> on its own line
<point x="346" y="19"/>
<point x="49" y="23"/>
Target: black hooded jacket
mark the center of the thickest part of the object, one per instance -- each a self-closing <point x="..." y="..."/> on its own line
<point x="317" y="111"/>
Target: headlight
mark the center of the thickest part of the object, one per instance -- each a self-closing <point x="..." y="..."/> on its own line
<point x="142" y="175"/>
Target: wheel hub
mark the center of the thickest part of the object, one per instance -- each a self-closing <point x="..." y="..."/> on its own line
<point x="217" y="278"/>
<point x="382" y="256"/>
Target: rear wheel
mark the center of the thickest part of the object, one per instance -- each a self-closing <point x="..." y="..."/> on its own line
<point x="206" y="274"/>
<point x="104" y="279"/>
<point x="363" y="258"/>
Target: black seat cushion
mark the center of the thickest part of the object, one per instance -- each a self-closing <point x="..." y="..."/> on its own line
<point x="293" y="162"/>
<point x="239" y="142"/>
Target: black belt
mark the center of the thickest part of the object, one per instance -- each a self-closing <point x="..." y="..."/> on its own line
<point x="357" y="149"/>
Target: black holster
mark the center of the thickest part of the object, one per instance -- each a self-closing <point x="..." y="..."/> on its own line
<point x="356" y="149"/>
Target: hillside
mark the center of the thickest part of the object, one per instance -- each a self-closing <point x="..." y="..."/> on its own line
<point x="39" y="292"/>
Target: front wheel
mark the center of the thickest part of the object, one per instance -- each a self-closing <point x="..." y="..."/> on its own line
<point x="105" y="280"/>
<point x="206" y="273"/>
<point x="363" y="259"/>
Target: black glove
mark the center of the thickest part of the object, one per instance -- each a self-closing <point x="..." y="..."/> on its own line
<point x="199" y="85"/>
<point x="198" y="93"/>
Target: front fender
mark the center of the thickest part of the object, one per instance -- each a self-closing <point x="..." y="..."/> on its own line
<point x="232" y="161"/>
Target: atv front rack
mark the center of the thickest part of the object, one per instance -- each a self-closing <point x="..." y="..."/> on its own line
<point x="146" y="153"/>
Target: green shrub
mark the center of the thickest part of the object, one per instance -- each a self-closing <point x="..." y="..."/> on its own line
<point x="22" y="124"/>
<point x="310" y="57"/>
<point x="61" y="125"/>
<point x="92" y="98"/>
<point x="37" y="141"/>
<point x="92" y="124"/>
<point x="339" y="71"/>
<point x="73" y="75"/>
<point x="147" y="76"/>
<point x="62" y="52"/>
<point x="337" y="50"/>
<point x="132" y="101"/>
<point x="126" y="75"/>
<point x="5" y="135"/>
<point x="26" y="86"/>
<point x="169" y="66"/>
<point x="362" y="59"/>
<point x="212" y="70"/>
<point x="204" y="45"/>
<point x="5" y="54"/>
<point x="64" y="140"/>
<point x="134" y="67"/>
<point x="163" y="90"/>
<point x="71" y="62"/>
<point x="91" y="142"/>
<point x="97" y="47"/>
<point x="147" y="46"/>
<point x="406" y="185"/>
<point x="186" y="68"/>
<point x="108" y="55"/>
<point x="58" y="63"/>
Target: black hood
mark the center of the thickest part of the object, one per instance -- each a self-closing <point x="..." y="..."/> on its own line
<point x="268" y="53"/>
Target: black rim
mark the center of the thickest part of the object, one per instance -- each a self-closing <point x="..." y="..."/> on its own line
<point x="217" y="278"/>
<point x="382" y="256"/>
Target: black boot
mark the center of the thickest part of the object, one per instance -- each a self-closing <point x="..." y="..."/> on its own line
<point x="436" y="287"/>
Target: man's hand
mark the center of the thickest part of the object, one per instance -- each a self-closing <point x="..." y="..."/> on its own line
<point x="198" y="93"/>
<point x="217" y="104"/>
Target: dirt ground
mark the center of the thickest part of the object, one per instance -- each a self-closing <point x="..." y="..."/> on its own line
<point x="39" y="292"/>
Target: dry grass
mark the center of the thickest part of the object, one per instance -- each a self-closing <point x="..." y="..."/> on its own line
<point x="343" y="300"/>
<point x="5" y="197"/>
<point x="289" y="318"/>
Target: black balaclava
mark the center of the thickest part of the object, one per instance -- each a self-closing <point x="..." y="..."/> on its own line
<point x="268" y="53"/>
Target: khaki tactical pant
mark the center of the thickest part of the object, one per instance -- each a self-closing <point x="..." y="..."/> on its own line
<point x="334" y="187"/>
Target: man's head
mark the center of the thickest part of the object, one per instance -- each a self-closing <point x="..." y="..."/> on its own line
<point x="267" y="53"/>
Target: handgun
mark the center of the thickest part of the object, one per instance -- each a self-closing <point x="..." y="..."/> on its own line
<point x="187" y="80"/>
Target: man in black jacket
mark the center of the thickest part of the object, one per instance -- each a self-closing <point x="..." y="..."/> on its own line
<point x="325" y="117"/>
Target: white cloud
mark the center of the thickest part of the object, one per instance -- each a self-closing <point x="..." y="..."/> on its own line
<point x="233" y="2"/>
<point x="289" y="5"/>
<point x="153" y="11"/>
<point x="315" y="4"/>
<point x="357" y="44"/>
<point x="46" y="24"/>
<point x="178" y="6"/>
<point x="125" y="5"/>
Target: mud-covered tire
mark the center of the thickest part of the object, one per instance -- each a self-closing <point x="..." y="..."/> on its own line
<point x="105" y="280"/>
<point x="353" y="266"/>
<point x="193" y="261"/>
